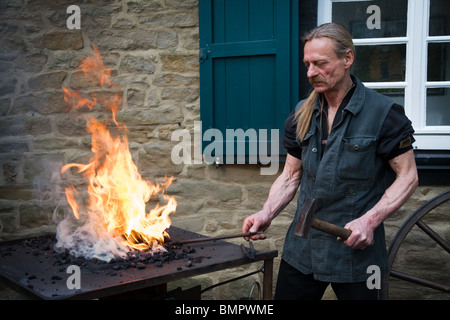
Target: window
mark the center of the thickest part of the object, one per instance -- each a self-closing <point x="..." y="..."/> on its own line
<point x="403" y="51"/>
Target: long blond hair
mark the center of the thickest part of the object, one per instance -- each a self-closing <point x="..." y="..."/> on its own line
<point x="342" y="43"/>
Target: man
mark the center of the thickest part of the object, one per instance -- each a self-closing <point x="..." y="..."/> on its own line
<point x="350" y="148"/>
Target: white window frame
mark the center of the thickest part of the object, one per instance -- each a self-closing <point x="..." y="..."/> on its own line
<point x="415" y="84"/>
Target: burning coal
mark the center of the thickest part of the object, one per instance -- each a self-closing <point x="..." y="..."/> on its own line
<point x="113" y="220"/>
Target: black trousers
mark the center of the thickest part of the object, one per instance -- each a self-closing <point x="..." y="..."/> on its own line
<point x="295" y="285"/>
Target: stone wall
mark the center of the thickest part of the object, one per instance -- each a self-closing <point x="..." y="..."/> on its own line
<point x="152" y="50"/>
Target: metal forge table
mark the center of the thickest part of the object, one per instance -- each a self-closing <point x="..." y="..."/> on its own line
<point x="35" y="273"/>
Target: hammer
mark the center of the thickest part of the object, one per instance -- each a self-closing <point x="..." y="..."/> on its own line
<point x="306" y="220"/>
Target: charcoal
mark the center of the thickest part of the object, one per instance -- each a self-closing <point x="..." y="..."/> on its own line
<point x="133" y="259"/>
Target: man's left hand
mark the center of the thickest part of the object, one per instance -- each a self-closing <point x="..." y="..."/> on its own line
<point x="362" y="234"/>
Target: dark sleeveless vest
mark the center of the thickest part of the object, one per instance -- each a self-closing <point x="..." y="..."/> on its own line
<point x="346" y="182"/>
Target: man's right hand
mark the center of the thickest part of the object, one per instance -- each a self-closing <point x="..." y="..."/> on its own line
<point x="254" y="223"/>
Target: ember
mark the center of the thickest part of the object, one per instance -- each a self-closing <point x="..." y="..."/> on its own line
<point x="115" y="221"/>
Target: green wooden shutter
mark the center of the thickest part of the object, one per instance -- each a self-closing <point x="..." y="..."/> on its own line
<point x="248" y="66"/>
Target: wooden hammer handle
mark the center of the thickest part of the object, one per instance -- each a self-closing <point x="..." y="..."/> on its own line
<point x="331" y="228"/>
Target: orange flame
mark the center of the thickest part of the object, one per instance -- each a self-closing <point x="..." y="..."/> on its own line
<point x="117" y="192"/>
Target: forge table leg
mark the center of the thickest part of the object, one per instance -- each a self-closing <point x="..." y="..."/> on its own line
<point x="267" y="280"/>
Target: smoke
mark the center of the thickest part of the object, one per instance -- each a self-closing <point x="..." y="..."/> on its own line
<point x="84" y="238"/>
<point x="87" y="242"/>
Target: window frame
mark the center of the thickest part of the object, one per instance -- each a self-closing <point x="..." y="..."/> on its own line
<point x="415" y="84"/>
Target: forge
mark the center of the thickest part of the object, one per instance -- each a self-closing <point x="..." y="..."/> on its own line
<point x="32" y="267"/>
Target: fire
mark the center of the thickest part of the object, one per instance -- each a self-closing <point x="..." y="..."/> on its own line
<point x="117" y="195"/>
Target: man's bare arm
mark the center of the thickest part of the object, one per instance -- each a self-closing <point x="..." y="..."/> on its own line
<point x="281" y="193"/>
<point x="393" y="198"/>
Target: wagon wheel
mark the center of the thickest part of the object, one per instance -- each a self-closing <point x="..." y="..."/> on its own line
<point x="415" y="219"/>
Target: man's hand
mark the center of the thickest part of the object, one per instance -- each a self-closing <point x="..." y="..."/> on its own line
<point x="362" y="234"/>
<point x="254" y="223"/>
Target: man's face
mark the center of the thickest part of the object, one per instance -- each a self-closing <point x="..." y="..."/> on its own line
<point x="325" y="69"/>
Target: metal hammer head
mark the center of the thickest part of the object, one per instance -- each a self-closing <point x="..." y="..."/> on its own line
<point x="305" y="218"/>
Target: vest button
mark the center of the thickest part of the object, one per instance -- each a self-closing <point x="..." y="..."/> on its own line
<point x="351" y="191"/>
<point x="314" y="150"/>
<point x="356" y="147"/>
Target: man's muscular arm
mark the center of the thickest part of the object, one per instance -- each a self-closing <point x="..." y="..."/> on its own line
<point x="394" y="197"/>
<point x="281" y="193"/>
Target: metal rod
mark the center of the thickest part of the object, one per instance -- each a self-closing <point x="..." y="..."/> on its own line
<point x="433" y="235"/>
<point x="425" y="283"/>
<point x="215" y="238"/>
<point x="234" y="279"/>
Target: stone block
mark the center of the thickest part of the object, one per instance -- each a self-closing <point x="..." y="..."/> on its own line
<point x="17" y="148"/>
<point x="134" y="64"/>
<point x="22" y="126"/>
<point x="167" y="114"/>
<point x="174" y="80"/>
<point x="9" y="172"/>
<point x="51" y="80"/>
<point x="136" y="39"/>
<point x="185" y="4"/>
<point x="71" y="125"/>
<point x="41" y="170"/>
<point x="9" y="219"/>
<point x="34" y="216"/>
<point x="5" y="105"/>
<point x="157" y="163"/>
<point x="11" y="47"/>
<point x="55" y="143"/>
<point x="185" y="95"/>
<point x="63" y="40"/>
<point x="16" y="192"/>
<point x="240" y="173"/>
<point x="180" y="62"/>
<point x="7" y="84"/>
<point x="31" y="62"/>
<point x="43" y="102"/>
<point x="37" y="126"/>
<point x="205" y="190"/>
<point x="135" y="97"/>
<point x="12" y="126"/>
<point x="170" y="19"/>
<point x="144" y="7"/>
